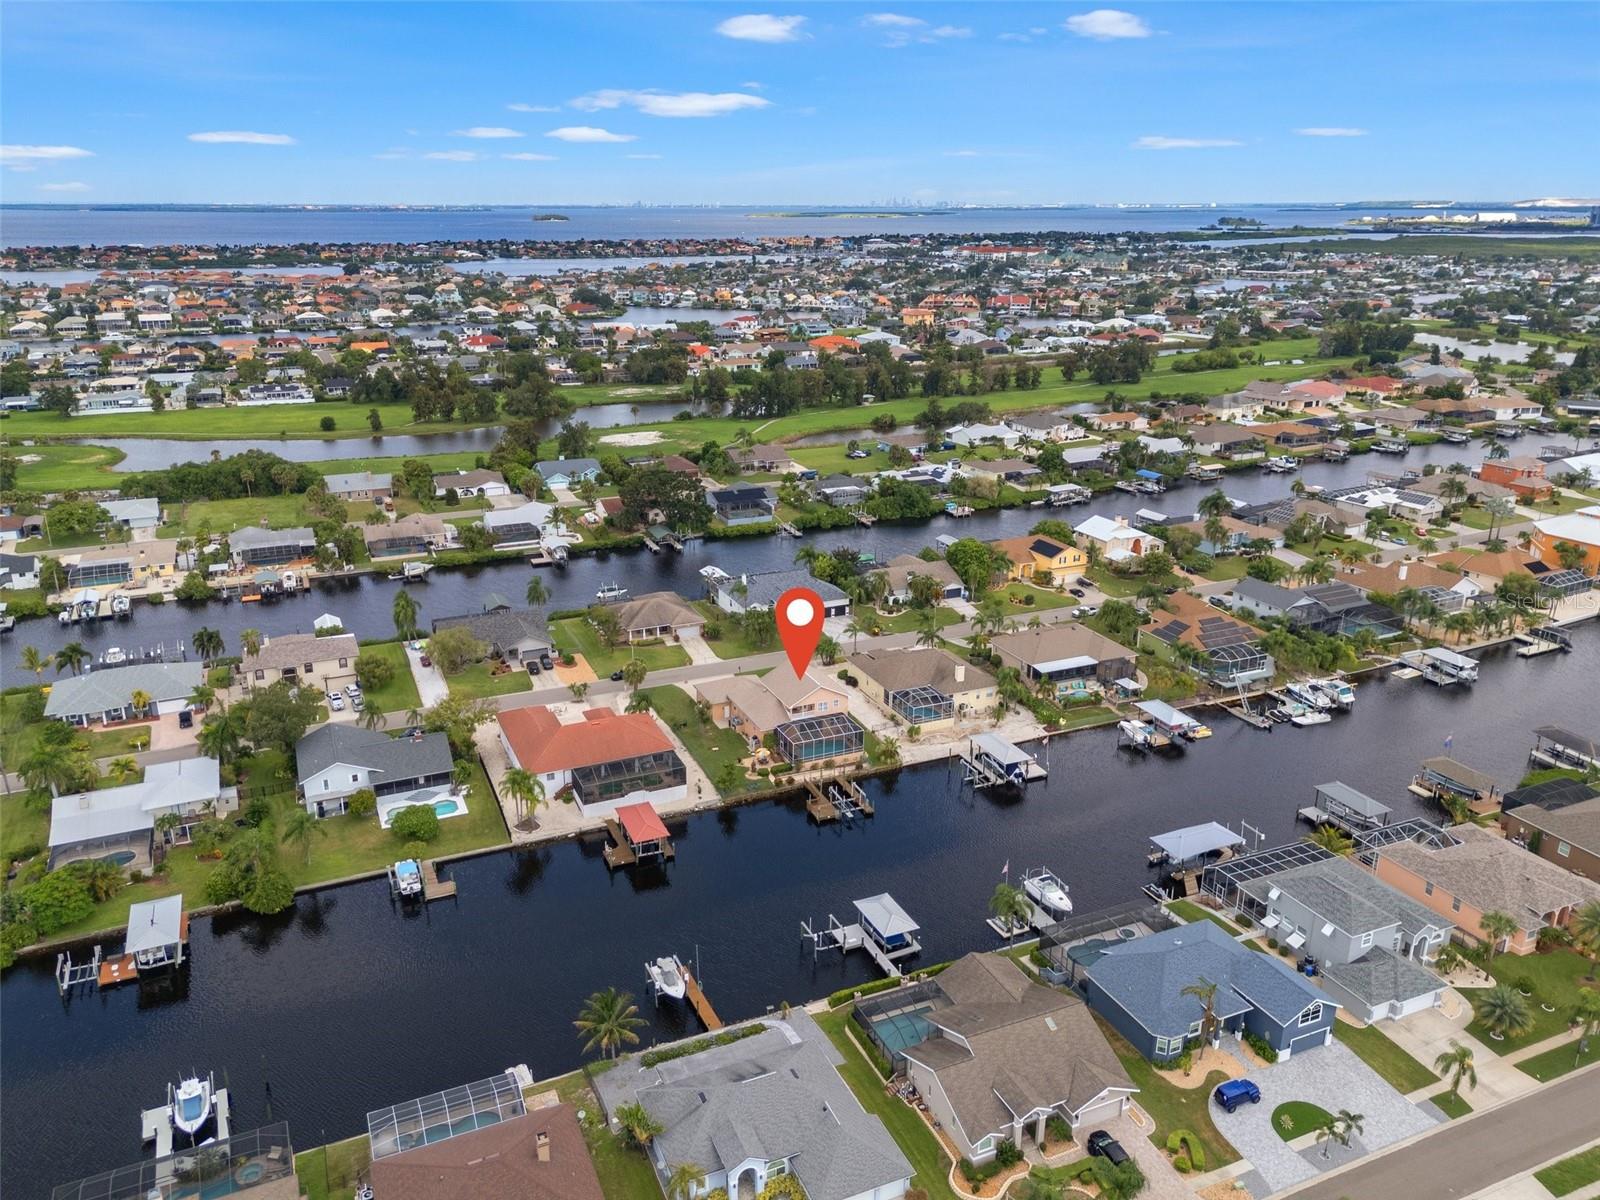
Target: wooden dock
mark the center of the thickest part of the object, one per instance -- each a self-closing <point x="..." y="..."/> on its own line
<point x="434" y="888"/>
<point x="836" y="799"/>
<point x="788" y="530"/>
<point x="119" y="969"/>
<point x="865" y="518"/>
<point x="619" y="853"/>
<point x="702" y="1006"/>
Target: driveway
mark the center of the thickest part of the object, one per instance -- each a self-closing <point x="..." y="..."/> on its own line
<point x="1162" y="1181"/>
<point x="1427" y="1034"/>
<point x="1333" y="1078"/>
<point x="431" y="687"/>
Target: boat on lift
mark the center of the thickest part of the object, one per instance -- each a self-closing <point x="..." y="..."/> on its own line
<point x="115" y="656"/>
<point x="1136" y="734"/>
<point x="1044" y="887"/>
<point x="609" y="592"/>
<point x="191" y="1101"/>
<point x="1310" y="716"/>
<point x="411" y="572"/>
<point x="667" y="977"/>
<point x="121" y="604"/>
<point x="1337" y="690"/>
<point x="1308" y="695"/>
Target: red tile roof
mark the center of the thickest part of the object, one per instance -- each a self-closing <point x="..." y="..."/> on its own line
<point x="640" y="823"/>
<point x="543" y="745"/>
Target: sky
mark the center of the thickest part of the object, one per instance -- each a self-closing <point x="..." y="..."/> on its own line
<point x="825" y="104"/>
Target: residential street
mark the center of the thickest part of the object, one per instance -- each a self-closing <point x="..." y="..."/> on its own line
<point x="1456" y="1161"/>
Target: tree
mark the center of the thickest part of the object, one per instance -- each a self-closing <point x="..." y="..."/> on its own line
<point x="207" y="644"/>
<point x="454" y="649"/>
<point x="103" y="879"/>
<point x="678" y="498"/>
<point x="251" y="874"/>
<point x="526" y="789"/>
<point x="1504" y="1010"/>
<point x="638" y="1126"/>
<point x="405" y="615"/>
<point x="1203" y="990"/>
<point x="1331" y="839"/>
<point x="71" y="657"/>
<point x="415" y="823"/>
<point x="1586" y="1013"/>
<point x="1585" y="930"/>
<point x="633" y="673"/>
<point x="608" y="1021"/>
<point x="1497" y="927"/>
<point x="855" y="629"/>
<point x="1569" y="555"/>
<point x="33" y="661"/>
<point x="60" y="899"/>
<point x="606" y="624"/>
<point x="250" y="642"/>
<point x="140" y="701"/>
<point x="1010" y="907"/>
<point x="373" y="671"/>
<point x="537" y="595"/>
<point x="888" y="751"/>
<point x="684" y="1181"/>
<point x="457" y="717"/>
<point x="302" y="828"/>
<point x="1455" y="1064"/>
<point x="975" y="562"/>
<point x="927" y="627"/>
<point x="277" y="716"/>
<point x="122" y="769"/>
<point x="221" y="735"/>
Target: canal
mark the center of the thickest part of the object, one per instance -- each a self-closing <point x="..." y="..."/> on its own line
<point x="364" y="603"/>
<point x="345" y="1003"/>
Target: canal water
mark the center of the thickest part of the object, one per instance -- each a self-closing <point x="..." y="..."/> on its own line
<point x="346" y="1003"/>
<point x="364" y="603"/>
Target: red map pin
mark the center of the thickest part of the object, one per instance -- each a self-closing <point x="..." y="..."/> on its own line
<point x="799" y="617"/>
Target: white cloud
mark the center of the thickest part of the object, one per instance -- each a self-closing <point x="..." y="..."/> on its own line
<point x="643" y="157"/>
<point x="534" y="108"/>
<point x="1172" y="143"/>
<point x="14" y="153"/>
<point x="950" y="31"/>
<point x="588" y="133"/>
<point x="1331" y="131"/>
<point x="670" y="104"/>
<point x="244" y="137"/>
<point x="526" y="157"/>
<point x="73" y="186"/>
<point x="1107" y="24"/>
<point x="762" y="27"/>
<point x="901" y="30"/>
<point x="962" y="154"/>
<point x="888" y="20"/>
<point x="453" y="155"/>
<point x="487" y="131"/>
<point x="751" y="85"/>
<point x="397" y="152"/>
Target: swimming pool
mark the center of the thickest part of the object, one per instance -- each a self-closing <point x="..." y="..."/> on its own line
<point x="444" y="802"/>
<point x="121" y="858"/>
<point x="448" y="808"/>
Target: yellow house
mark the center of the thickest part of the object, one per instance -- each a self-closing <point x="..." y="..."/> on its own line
<point x="1027" y="556"/>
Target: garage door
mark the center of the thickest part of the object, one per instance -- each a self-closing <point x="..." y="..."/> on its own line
<point x="1097" y="1114"/>
<point x="1307" y="1041"/>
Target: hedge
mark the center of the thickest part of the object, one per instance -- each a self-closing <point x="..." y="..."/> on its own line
<point x="845" y="995"/>
<point x="1191" y="1154"/>
<point x="651" y="1057"/>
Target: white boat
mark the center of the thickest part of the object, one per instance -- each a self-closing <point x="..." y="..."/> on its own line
<point x="406" y="877"/>
<point x="1137" y="734"/>
<point x="1282" y="465"/>
<point x="611" y="591"/>
<point x="191" y="1103"/>
<point x="666" y="976"/>
<point x="411" y="572"/>
<point x="1311" y="717"/>
<point x="114" y="656"/>
<point x="1046" y="890"/>
<point x="1308" y="695"/>
<point x="65" y="615"/>
<point x="1338" y="691"/>
<point x="121" y="604"/>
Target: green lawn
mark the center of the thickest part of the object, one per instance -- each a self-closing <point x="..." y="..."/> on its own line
<point x="224" y="516"/>
<point x="907" y="620"/>
<point x="577" y="636"/>
<point x="1232" y="566"/>
<point x="1553" y="978"/>
<point x="55" y="468"/>
<point x="1082" y="716"/>
<point x="1295" y="1118"/>
<point x="732" y="643"/>
<point x="1451" y="1104"/>
<point x="1402" y="1071"/>
<point x="711" y="746"/>
<point x="24" y="826"/>
<point x="1554" y="1063"/>
<point x="625" y="1173"/>
<point x="400" y="693"/>
<point x="1558" y="505"/>
<point x="477" y="682"/>
<point x="331" y="1172"/>
<point x="1572" y="1173"/>
<point x="1170" y="1106"/>
<point x="1043" y="598"/>
<point x="1190" y="912"/>
<point x="916" y="1141"/>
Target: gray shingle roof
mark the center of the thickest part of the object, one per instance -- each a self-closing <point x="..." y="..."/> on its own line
<point x="1380" y="976"/>
<point x="502" y="628"/>
<point x="1354" y="900"/>
<point x="395" y="758"/>
<point x="101" y="691"/>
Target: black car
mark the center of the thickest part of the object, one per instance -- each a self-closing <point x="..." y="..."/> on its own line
<point x="1107" y="1147"/>
<point x="533" y="667"/>
<point x="185" y="719"/>
<point x="1078" y="592"/>
<point x="616" y="677"/>
<point x="544" y="661"/>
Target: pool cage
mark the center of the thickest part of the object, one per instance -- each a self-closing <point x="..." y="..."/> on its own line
<point x="255" y="1159"/>
<point x="1223" y="880"/>
<point x="896" y="1020"/>
<point x="922" y="705"/>
<point x="1070" y="945"/>
<point x="444" y="1115"/>
<point x="813" y="739"/>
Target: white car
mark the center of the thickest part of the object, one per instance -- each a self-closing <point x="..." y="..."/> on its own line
<point x="1086" y="610"/>
<point x="353" y="691"/>
<point x="335" y="702"/>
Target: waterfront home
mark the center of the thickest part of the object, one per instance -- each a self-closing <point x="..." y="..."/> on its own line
<point x="664" y="616"/>
<point x="253" y="547"/>
<point x="1073" y="657"/>
<point x="982" y="433"/>
<point x="417" y="533"/>
<point x="1580" y="529"/>
<point x="1117" y="422"/>
<point x="755" y="706"/>
<point x="1041" y="426"/>
<point x="1241" y="405"/>
<point x="1361" y="501"/>
<point x="133" y="513"/>
<point x="765" y="460"/>
<point x="359" y="485"/>
<point x="741" y="593"/>
<point x="514" y="634"/>
<point x="1035" y="558"/>
<point x="567" y="472"/>
<point x="1235" y="536"/>
<point x="479" y="482"/>
<point x="1117" y="540"/>
<point x="1230" y="651"/>
<point x="1567" y="835"/>
<point x="744" y="503"/>
<point x="1523" y="476"/>
<point x="761" y="1107"/>
<point x="903" y="568"/>
<point x="106" y="696"/>
<point x="1334" y="607"/>
<point x="1290" y="434"/>
<point x="605" y="759"/>
<point x="523" y="523"/>
<point x="118" y="824"/>
<point x="1003" y="470"/>
<point x="1479" y="872"/>
<point x="841" y="491"/>
<point x="925" y="686"/>
<point x="19" y="571"/>
<point x="535" y="1154"/>
<point x="1231" y="442"/>
<point x="1391" y="577"/>
<point x="302" y="659"/>
<point x="1000" y="1055"/>
<point x="334" y="761"/>
<point x="1138" y="985"/>
<point x="1370" y="941"/>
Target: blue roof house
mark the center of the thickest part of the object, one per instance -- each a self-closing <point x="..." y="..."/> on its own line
<point x="567" y="472"/>
<point x="1138" y="987"/>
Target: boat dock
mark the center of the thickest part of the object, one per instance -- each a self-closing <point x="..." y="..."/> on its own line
<point x="696" y="996"/>
<point x="1440" y="666"/>
<point x="990" y="761"/>
<point x="1556" y="747"/>
<point x="1546" y="639"/>
<point x="865" y="518"/>
<point x="637" y="836"/>
<point x="836" y="800"/>
<point x="787" y="529"/>
<point x="434" y="888"/>
<point x="155" y="1124"/>
<point x="883" y="929"/>
<point x="158" y="938"/>
<point x="1340" y="805"/>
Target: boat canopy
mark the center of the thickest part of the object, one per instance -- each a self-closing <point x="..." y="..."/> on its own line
<point x="1147" y="473"/>
<point x="1342" y="795"/>
<point x="1164" y="715"/>
<point x="884" y="914"/>
<point x="1446" y="657"/>
<point x="641" y="824"/>
<point x="1567" y="739"/>
<point x="1194" y="840"/>
<point x="1002" y="751"/>
<point x="1459" y="776"/>
<point x="153" y="924"/>
<point x="1129" y="685"/>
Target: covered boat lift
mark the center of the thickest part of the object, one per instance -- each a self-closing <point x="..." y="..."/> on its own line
<point x="882" y="928"/>
<point x="1556" y="747"/>
<point x="638" y="835"/>
<point x="1170" y="721"/>
<point x="1445" y="778"/>
<point x="1340" y="805"/>
<point x="1442" y="666"/>
<point x="1186" y="850"/>
<point x="991" y="761"/>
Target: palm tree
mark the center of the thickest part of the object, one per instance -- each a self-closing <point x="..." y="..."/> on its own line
<point x="33" y="661"/>
<point x="250" y="642"/>
<point x="1327" y="1133"/>
<point x="103" y="879"/>
<point x="1455" y="1064"/>
<point x="1497" y="927"/>
<point x="608" y="1021"/>
<point x="537" y="594"/>
<point x="122" y="769"/>
<point x="527" y="790"/>
<point x="1460" y="624"/>
<point x="1585" y="930"/>
<point x="202" y="696"/>
<point x="855" y="629"/>
<point x="579" y="689"/>
<point x="633" y="673"/>
<point x="1586" y="1012"/>
<point x="140" y="701"/>
<point x="405" y="615"/>
<point x="1010" y="907"/>
<point x="638" y="1126"/>
<point x="1331" y="839"/>
<point x="889" y="751"/>
<point x="1340" y="1128"/>
<point x="300" y="826"/>
<point x="71" y="656"/>
<point x="1203" y="990"/>
<point x="1504" y="1010"/>
<point x="1316" y="569"/>
<point x="685" y="1181"/>
<point x="207" y="643"/>
<point x="927" y="626"/>
<point x="52" y="765"/>
<point x="221" y="736"/>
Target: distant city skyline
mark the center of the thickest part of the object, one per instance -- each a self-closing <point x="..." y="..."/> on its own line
<point x="807" y="104"/>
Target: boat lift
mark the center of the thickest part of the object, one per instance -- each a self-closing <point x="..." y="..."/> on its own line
<point x="882" y="928"/>
<point x="989" y="760"/>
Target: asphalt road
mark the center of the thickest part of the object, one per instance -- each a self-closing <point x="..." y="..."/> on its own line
<point x="1472" y="1154"/>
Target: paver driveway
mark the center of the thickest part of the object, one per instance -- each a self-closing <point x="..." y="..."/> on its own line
<point x="1333" y="1078"/>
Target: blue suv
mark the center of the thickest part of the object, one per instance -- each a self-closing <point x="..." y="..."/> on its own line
<point x="1236" y="1092"/>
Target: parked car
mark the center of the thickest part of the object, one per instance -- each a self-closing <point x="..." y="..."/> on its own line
<point x="616" y="677"/>
<point x="352" y="690"/>
<point x="426" y="661"/>
<point x="857" y="454"/>
<point x="1085" y="610"/>
<point x="1107" y="1147"/>
<point x="1078" y="592"/>
<point x="335" y="702"/>
<point x="1216" y="602"/>
<point x="1235" y="1092"/>
<point x="356" y="702"/>
<point x="185" y="719"/>
<point x="533" y="667"/>
<point x="544" y="661"/>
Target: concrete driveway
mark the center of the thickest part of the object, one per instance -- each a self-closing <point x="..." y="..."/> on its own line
<point x="1333" y="1078"/>
<point x="1428" y="1034"/>
<point x="1162" y="1181"/>
<point x="431" y="687"/>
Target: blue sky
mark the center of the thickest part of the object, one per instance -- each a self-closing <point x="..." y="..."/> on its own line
<point x="801" y="104"/>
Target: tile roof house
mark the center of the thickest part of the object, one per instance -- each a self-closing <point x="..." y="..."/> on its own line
<point x="663" y="615"/>
<point x="417" y="533"/>
<point x="1118" y="541"/>
<point x="107" y="695"/>
<point x="924" y="685"/>
<point x="606" y="759"/>
<point x="760" y="1107"/>
<point x="540" y="1155"/>
<point x="1138" y="987"/>
<point x="1231" y="649"/>
<point x="1032" y="555"/>
<point x="333" y="761"/>
<point x="1004" y="1054"/>
<point x="757" y="705"/>
<point x="902" y="568"/>
<point x="1077" y="659"/>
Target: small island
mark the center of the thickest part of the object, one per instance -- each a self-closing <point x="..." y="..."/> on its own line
<point x="551" y="217"/>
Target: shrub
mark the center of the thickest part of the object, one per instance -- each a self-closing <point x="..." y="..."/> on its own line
<point x="1263" y="1048"/>
<point x="1181" y="1165"/>
<point x="414" y="849"/>
<point x="782" y="1187"/>
<point x="1006" y="1154"/>
<point x="362" y="803"/>
<point x="1057" y="1129"/>
<point x="415" y="823"/>
<point x="683" y="1049"/>
<point x="57" y="900"/>
<point x="327" y="424"/>
<point x="975" y="1174"/>
<point x="1272" y="943"/>
<point x="1187" y="1148"/>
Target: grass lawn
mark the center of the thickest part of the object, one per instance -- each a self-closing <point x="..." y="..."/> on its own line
<point x="224" y="516"/>
<point x="625" y="1173"/>
<point x="477" y="682"/>
<point x="333" y="1170"/>
<point x="1190" y="912"/>
<point x="1232" y="566"/>
<point x="112" y="743"/>
<point x="1084" y="715"/>
<point x="59" y="468"/>
<point x="24" y="826"/>
<point x="1570" y="1174"/>
<point x="1475" y="518"/>
<point x="907" y="620"/>
<point x="732" y="643"/>
<point x="1553" y="979"/>
<point x="916" y="1141"/>
<point x="1451" y="1104"/>
<point x="1018" y="593"/>
<point x="1170" y="1106"/>
<point x="1558" y="505"/>
<point x="1554" y="1063"/>
<point x="1120" y="586"/>
<point x="711" y="746"/>
<point x="576" y="635"/>
<point x="1296" y="1118"/>
<point x="1404" y="1073"/>
<point x="400" y="693"/>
